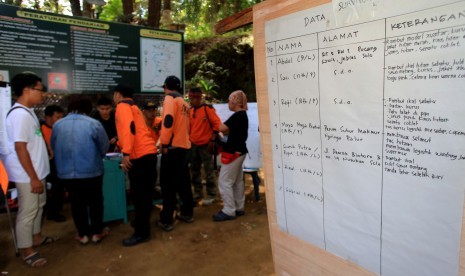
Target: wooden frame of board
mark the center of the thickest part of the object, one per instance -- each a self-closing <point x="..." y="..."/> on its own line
<point x="291" y="255"/>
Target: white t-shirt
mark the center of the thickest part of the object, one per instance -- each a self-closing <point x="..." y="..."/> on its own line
<point x="22" y="125"/>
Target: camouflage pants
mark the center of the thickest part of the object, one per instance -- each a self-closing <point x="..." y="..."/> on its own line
<point x="199" y="156"/>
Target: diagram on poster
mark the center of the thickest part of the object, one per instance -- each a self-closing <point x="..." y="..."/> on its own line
<point x="159" y="59"/>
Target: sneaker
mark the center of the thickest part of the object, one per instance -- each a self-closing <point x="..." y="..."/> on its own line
<point x="220" y="216"/>
<point x="166" y="227"/>
<point x="208" y="201"/>
<point x="82" y="240"/>
<point x="188" y="219"/>
<point x="99" y="237"/>
<point x="240" y="213"/>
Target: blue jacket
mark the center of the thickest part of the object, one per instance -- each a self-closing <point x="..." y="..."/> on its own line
<point x="79" y="144"/>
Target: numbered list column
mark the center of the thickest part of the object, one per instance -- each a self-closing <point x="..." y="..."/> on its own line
<point x="273" y="97"/>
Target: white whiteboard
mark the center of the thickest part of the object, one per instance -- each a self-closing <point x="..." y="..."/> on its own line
<point x="253" y="159"/>
<point x="368" y="136"/>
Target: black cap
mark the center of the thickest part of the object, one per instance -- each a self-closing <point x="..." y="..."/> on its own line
<point x="172" y="83"/>
<point x="150" y="105"/>
<point x="124" y="89"/>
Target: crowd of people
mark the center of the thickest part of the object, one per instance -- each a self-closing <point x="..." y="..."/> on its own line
<point x="67" y="153"/>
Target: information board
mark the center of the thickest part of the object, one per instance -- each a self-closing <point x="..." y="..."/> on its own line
<point x="367" y="131"/>
<point x="79" y="55"/>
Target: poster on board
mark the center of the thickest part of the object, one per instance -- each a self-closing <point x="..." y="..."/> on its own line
<point x="367" y="131"/>
<point x="81" y="55"/>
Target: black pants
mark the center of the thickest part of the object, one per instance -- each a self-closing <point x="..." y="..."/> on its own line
<point x="174" y="178"/>
<point x="56" y="195"/>
<point x="86" y="199"/>
<point x="142" y="175"/>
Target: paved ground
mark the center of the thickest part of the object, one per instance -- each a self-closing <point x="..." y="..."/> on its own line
<point x="239" y="247"/>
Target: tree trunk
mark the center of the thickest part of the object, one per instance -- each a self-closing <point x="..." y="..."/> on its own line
<point x="87" y="10"/>
<point x="76" y="7"/>
<point x="167" y="4"/>
<point x="214" y="10"/>
<point x="237" y="6"/>
<point x="154" y="13"/>
<point x="36" y="5"/>
<point x="128" y="9"/>
<point x="166" y="15"/>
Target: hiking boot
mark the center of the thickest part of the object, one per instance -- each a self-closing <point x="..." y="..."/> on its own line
<point x="166" y="227"/>
<point x="188" y="219"/>
<point x="240" y="213"/>
<point x="135" y="240"/>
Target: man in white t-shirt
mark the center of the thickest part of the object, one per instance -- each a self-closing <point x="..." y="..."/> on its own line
<point x="27" y="165"/>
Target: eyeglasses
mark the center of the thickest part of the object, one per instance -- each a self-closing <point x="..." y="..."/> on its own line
<point x="43" y="90"/>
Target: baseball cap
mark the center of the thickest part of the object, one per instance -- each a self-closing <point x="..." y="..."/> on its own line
<point x="172" y="83"/>
<point x="150" y="105"/>
<point x="124" y="89"/>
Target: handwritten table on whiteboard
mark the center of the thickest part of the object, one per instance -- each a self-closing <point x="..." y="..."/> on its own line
<point x="368" y="133"/>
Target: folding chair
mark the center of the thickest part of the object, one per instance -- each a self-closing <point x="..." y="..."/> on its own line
<point x="5" y="196"/>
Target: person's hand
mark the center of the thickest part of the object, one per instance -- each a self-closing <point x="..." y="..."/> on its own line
<point x="113" y="141"/>
<point x="164" y="150"/>
<point x="126" y="164"/>
<point x="37" y="187"/>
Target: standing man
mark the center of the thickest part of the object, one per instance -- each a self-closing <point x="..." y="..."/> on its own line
<point x="153" y="122"/>
<point x="27" y="165"/>
<point x="204" y="127"/>
<point x="139" y="160"/>
<point x="106" y="117"/>
<point x="175" y="144"/>
<point x="80" y="143"/>
<point x="55" y="200"/>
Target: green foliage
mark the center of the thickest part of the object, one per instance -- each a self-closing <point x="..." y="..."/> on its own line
<point x="112" y="11"/>
<point x="225" y="66"/>
<point x="205" y="77"/>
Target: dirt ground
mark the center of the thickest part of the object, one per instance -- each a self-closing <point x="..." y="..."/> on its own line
<point x="238" y="247"/>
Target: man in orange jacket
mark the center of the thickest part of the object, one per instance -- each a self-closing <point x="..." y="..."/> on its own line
<point x="205" y="125"/>
<point x="139" y="160"/>
<point x="56" y="197"/>
<point x="174" y="170"/>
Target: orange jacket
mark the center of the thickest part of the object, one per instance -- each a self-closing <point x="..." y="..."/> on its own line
<point x="156" y="128"/>
<point x="3" y="178"/>
<point x="134" y="137"/>
<point x="175" y="127"/>
<point x="204" y="122"/>
<point x="47" y="133"/>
